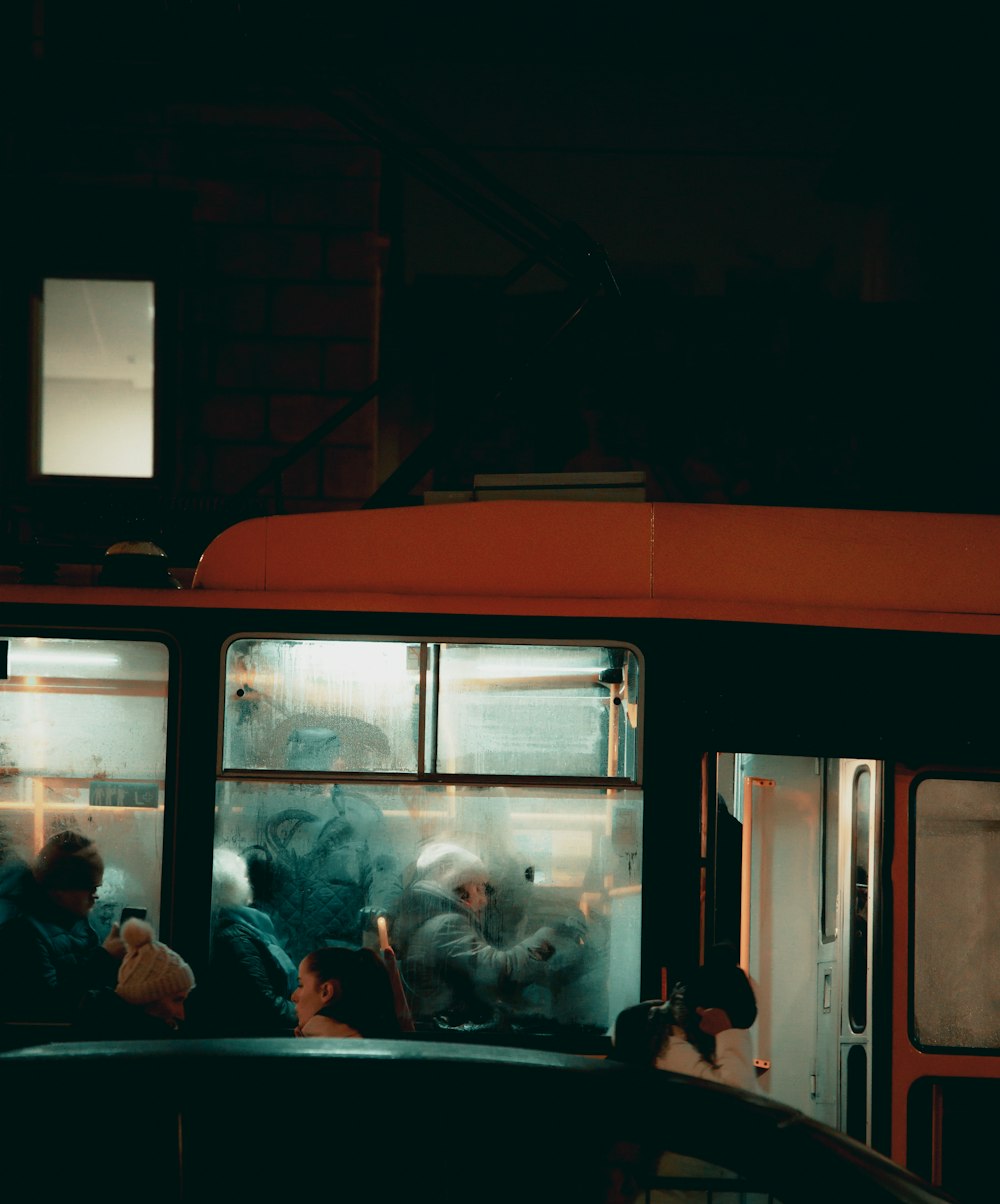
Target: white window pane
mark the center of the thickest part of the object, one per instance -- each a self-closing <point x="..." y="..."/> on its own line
<point x="322" y="705"/>
<point x="97" y="378"/>
<point x="534" y="710"/>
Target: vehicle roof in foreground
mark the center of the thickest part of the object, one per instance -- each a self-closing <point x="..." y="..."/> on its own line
<point x="416" y="1119"/>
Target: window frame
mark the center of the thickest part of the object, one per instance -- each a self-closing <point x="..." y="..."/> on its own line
<point x="426" y="706"/>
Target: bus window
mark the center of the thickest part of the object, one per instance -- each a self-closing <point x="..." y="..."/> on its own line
<point x="955" y="915"/>
<point x="523" y="710"/>
<point x="529" y="710"/>
<point x="857" y="990"/>
<point x="280" y="694"/>
<point x="325" y="861"/>
<point x="83" y="726"/>
<point x="830" y="848"/>
<point x="509" y="901"/>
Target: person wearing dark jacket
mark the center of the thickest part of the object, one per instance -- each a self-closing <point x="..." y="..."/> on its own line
<point x="250" y="976"/>
<point x="49" y="950"/>
<point x="456" y="976"/>
<point x="325" y="869"/>
<point x="149" y="996"/>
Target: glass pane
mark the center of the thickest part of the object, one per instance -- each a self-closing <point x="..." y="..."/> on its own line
<point x="856" y="1094"/>
<point x="831" y="846"/>
<point x="83" y="728"/>
<point x="857" y="995"/>
<point x="956" y="913"/>
<point x="97" y="378"/>
<point x="320" y="705"/>
<point x="551" y="942"/>
<point x="539" y="711"/>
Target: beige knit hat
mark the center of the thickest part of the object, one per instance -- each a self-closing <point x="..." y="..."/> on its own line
<point x="149" y="970"/>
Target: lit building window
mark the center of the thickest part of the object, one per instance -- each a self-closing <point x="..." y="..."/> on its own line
<point x="96" y="415"/>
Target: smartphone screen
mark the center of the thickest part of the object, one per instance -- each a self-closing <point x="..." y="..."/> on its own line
<point x="128" y="913"/>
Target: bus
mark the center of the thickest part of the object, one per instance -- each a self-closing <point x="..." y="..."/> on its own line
<point x="657" y="726"/>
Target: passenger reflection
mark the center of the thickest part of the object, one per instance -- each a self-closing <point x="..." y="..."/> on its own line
<point x="457" y="977"/>
<point x="344" y="992"/>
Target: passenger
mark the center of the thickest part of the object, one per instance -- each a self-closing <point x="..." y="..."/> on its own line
<point x="50" y="952"/>
<point x="148" y="1000"/>
<point x="344" y="992"/>
<point x="456" y="977"/>
<point x="330" y="870"/>
<point x="706" y="1022"/>
<point x="250" y="976"/>
<point x="700" y="1031"/>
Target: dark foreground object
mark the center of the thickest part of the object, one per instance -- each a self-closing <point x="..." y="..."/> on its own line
<point x="255" y="1120"/>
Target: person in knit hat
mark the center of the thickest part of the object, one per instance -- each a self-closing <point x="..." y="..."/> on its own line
<point x="49" y="950"/>
<point x="148" y="1001"/>
<point x="456" y="976"/>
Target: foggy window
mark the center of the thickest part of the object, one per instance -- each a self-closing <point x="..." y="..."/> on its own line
<point x="556" y="942"/>
<point x="508" y="903"/>
<point x="956" y="913"/>
<point x="95" y="410"/>
<point x="83" y="747"/>
<point x="535" y="710"/>
<point x="322" y="705"/>
<point x="359" y="706"/>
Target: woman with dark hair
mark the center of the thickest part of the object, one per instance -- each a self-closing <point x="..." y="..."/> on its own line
<point x="706" y="1022"/>
<point x="344" y="992"/>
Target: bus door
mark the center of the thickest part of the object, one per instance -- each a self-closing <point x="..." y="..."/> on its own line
<point x="809" y="885"/>
<point x="946" y="974"/>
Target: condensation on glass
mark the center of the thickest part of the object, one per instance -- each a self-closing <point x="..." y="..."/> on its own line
<point x="375" y="778"/>
<point x="319" y="705"/>
<point x="83" y="730"/>
<point x="96" y="407"/>
<point x="956" y="955"/>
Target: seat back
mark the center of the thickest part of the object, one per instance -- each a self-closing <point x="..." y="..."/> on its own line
<point x="404" y="1012"/>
